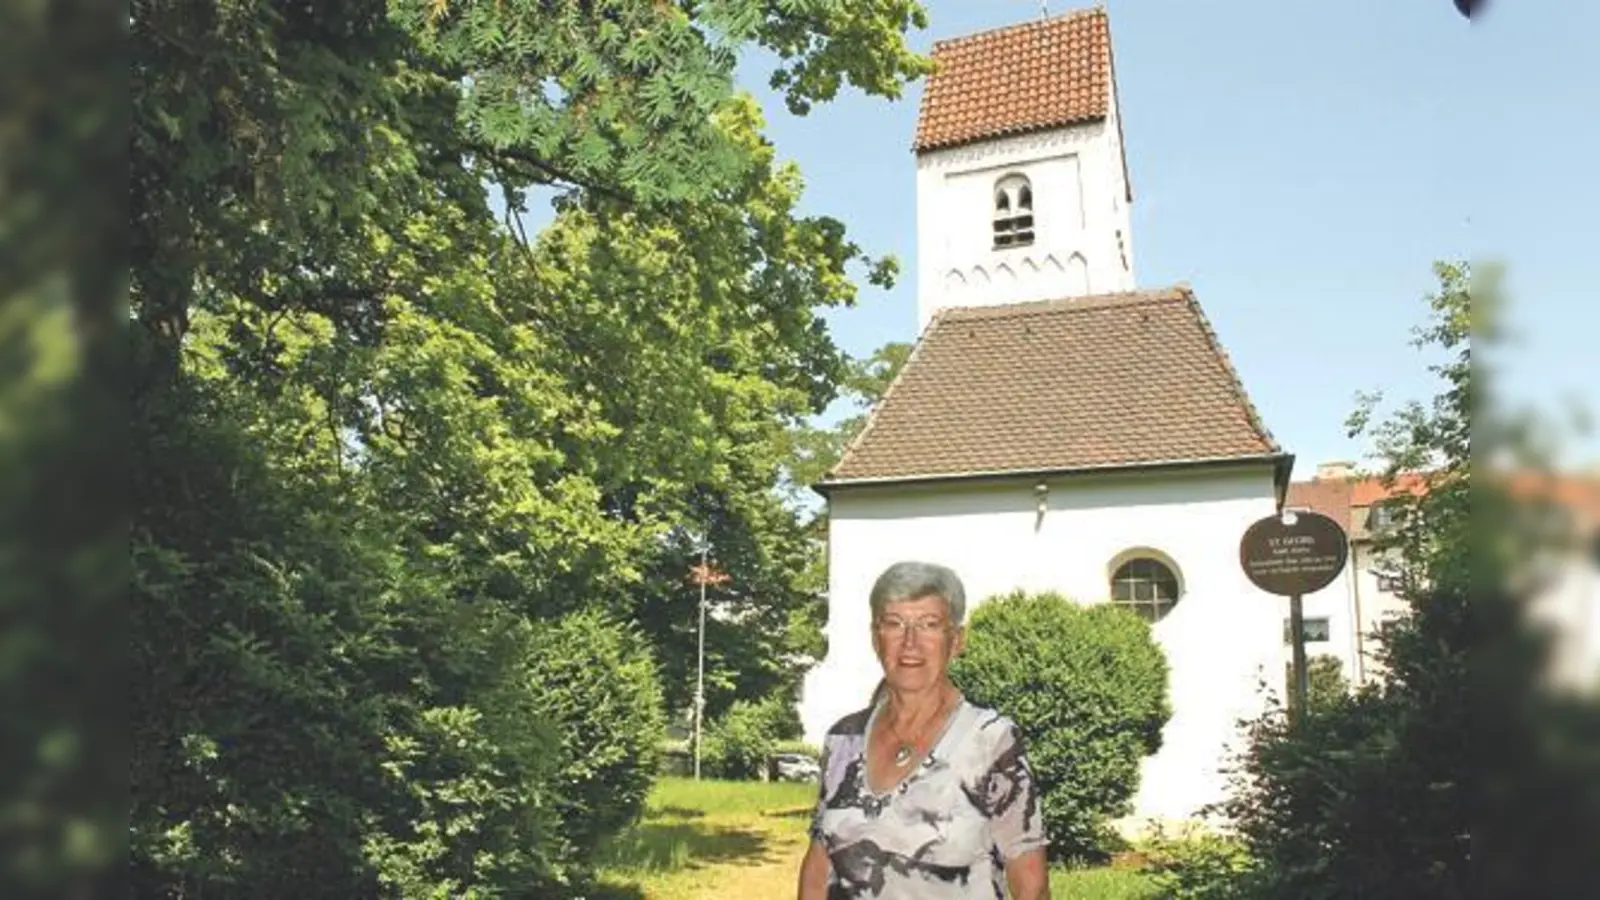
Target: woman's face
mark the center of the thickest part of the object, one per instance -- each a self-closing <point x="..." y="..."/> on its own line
<point x="915" y="641"/>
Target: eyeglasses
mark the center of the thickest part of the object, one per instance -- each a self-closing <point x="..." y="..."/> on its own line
<point x="919" y="628"/>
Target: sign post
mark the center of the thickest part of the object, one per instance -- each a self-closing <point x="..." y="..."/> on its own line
<point x="1292" y="554"/>
<point x="1302" y="677"/>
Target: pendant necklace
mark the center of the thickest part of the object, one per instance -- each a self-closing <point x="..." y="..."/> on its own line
<point x="902" y="757"/>
<point x="907" y="749"/>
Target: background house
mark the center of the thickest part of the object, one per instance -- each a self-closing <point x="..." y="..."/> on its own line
<point x="1343" y="619"/>
<point x="1566" y="600"/>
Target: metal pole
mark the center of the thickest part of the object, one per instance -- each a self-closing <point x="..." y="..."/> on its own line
<point x="700" y="677"/>
<point x="1302" y="678"/>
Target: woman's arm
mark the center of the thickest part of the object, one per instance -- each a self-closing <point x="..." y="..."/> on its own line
<point x="1016" y="817"/>
<point x="1028" y="876"/>
<point x="814" y="871"/>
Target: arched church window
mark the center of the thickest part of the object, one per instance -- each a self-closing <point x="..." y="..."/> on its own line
<point x="1145" y="585"/>
<point x="1013" y="212"/>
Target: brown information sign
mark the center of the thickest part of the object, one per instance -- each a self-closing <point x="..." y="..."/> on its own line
<point x="1293" y="553"/>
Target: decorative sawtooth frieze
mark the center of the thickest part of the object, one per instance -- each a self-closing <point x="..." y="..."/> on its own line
<point x="1036" y="276"/>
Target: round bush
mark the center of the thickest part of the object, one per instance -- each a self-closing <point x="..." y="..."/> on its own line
<point x="1088" y="688"/>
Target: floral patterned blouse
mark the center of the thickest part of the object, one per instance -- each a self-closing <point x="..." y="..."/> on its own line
<point x="946" y="830"/>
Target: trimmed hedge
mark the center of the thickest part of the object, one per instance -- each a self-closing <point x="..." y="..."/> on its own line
<point x="1088" y="688"/>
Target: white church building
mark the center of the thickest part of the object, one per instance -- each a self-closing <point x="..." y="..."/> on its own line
<point x="1058" y="427"/>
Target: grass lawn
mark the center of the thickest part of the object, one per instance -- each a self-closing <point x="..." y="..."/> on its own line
<point x="1100" y="884"/>
<point x="720" y="840"/>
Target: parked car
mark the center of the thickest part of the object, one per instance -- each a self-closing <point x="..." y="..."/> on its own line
<point x="796" y="767"/>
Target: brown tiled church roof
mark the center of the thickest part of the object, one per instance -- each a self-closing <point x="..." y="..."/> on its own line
<point x="1042" y="74"/>
<point x="1117" y="380"/>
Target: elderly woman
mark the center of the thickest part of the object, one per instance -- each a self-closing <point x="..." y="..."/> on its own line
<point x="924" y="795"/>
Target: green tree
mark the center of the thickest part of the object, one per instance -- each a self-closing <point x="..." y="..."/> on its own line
<point x="63" y="525"/>
<point x="1456" y="776"/>
<point x="815" y="449"/>
<point x="1317" y="804"/>
<point x="382" y="437"/>
<point x="694" y="339"/>
<point x="257" y="123"/>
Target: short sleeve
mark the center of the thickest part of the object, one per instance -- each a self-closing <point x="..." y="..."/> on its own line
<point x="1011" y="796"/>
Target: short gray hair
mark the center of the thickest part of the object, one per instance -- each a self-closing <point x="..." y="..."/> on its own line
<point x="912" y="580"/>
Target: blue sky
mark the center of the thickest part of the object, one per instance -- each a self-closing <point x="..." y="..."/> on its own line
<point x="1301" y="165"/>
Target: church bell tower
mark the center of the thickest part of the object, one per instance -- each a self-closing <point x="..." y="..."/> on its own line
<point x="1022" y="185"/>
